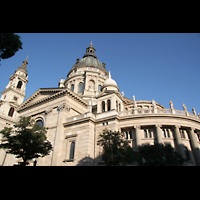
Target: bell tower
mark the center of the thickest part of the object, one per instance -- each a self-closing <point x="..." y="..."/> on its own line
<point x="14" y="93"/>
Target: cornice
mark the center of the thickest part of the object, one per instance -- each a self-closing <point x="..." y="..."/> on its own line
<point x="8" y="118"/>
<point x="14" y="90"/>
<point x="159" y="116"/>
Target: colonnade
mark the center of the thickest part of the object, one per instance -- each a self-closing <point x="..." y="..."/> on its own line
<point x="180" y="146"/>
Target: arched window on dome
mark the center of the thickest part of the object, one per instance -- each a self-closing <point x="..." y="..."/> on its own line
<point x="19" y="85"/>
<point x="11" y="112"/>
<point x="103" y="106"/>
<point x="72" y="88"/>
<point x="81" y="87"/>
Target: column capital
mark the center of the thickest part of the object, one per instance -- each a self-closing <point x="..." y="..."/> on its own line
<point x="158" y="125"/>
<point x="191" y="128"/>
<point x="177" y="126"/>
<point x="137" y="127"/>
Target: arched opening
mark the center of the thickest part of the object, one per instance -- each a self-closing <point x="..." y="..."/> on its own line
<point x="19" y="85"/>
<point x="80" y="87"/>
<point x="99" y="88"/>
<point x="119" y="107"/>
<point x="103" y="106"/>
<point x="72" y="87"/>
<point x="11" y="112"/>
<point x="116" y="105"/>
<point x="108" y="105"/>
<point x="72" y="148"/>
<point x="40" y="123"/>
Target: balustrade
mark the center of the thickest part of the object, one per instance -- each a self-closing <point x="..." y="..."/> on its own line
<point x="138" y="111"/>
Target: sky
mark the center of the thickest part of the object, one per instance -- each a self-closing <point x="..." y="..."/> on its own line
<point x="159" y="66"/>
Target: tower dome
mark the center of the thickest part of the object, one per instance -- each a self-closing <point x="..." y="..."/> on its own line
<point x="90" y="59"/>
<point x="110" y="84"/>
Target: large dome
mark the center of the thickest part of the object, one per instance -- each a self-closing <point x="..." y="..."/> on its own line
<point x="90" y="59"/>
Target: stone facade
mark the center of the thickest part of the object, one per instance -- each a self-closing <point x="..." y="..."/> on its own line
<point x="87" y="102"/>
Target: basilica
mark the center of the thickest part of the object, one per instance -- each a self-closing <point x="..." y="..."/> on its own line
<point x="83" y="105"/>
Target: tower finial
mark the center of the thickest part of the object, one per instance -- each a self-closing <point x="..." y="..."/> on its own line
<point x="109" y="74"/>
<point x="91" y="43"/>
<point x="26" y="58"/>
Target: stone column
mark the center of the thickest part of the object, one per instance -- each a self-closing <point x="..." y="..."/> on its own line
<point x="106" y="109"/>
<point x="98" y="106"/>
<point x="180" y="146"/>
<point x="159" y="133"/>
<point x="113" y="103"/>
<point x="138" y="136"/>
<point x="195" y="146"/>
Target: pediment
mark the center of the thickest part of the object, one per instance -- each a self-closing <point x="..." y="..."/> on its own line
<point x="48" y="94"/>
<point x="39" y="95"/>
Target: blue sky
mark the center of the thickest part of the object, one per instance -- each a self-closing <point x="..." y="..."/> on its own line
<point x="159" y="66"/>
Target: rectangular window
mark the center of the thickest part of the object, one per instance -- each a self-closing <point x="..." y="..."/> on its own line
<point x="70" y="148"/>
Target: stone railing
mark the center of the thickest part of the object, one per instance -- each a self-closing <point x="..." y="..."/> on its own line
<point x="136" y="111"/>
<point x="141" y="111"/>
<point x="78" y="117"/>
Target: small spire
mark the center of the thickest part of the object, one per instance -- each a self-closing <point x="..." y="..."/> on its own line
<point x="91" y="43"/>
<point x="26" y="58"/>
<point x="25" y="63"/>
<point x="109" y="74"/>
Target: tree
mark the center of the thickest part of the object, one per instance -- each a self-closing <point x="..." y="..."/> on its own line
<point x="10" y="43"/>
<point x="158" y="155"/>
<point x="27" y="140"/>
<point x="116" y="148"/>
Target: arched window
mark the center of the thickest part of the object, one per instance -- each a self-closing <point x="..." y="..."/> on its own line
<point x="126" y="135"/>
<point x="80" y="87"/>
<point x="186" y="153"/>
<point x="19" y="85"/>
<point x="108" y="105"/>
<point x="40" y="123"/>
<point x="72" y="87"/>
<point x="103" y="106"/>
<point x="130" y="135"/>
<point x="11" y="112"/>
<point x="72" y="148"/>
<point x="116" y="106"/>
<point x="145" y="134"/>
<point x="119" y="107"/>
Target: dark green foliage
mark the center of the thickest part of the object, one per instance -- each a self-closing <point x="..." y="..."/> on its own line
<point x="27" y="140"/>
<point x="158" y="155"/>
<point x="9" y="44"/>
<point x="116" y="148"/>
